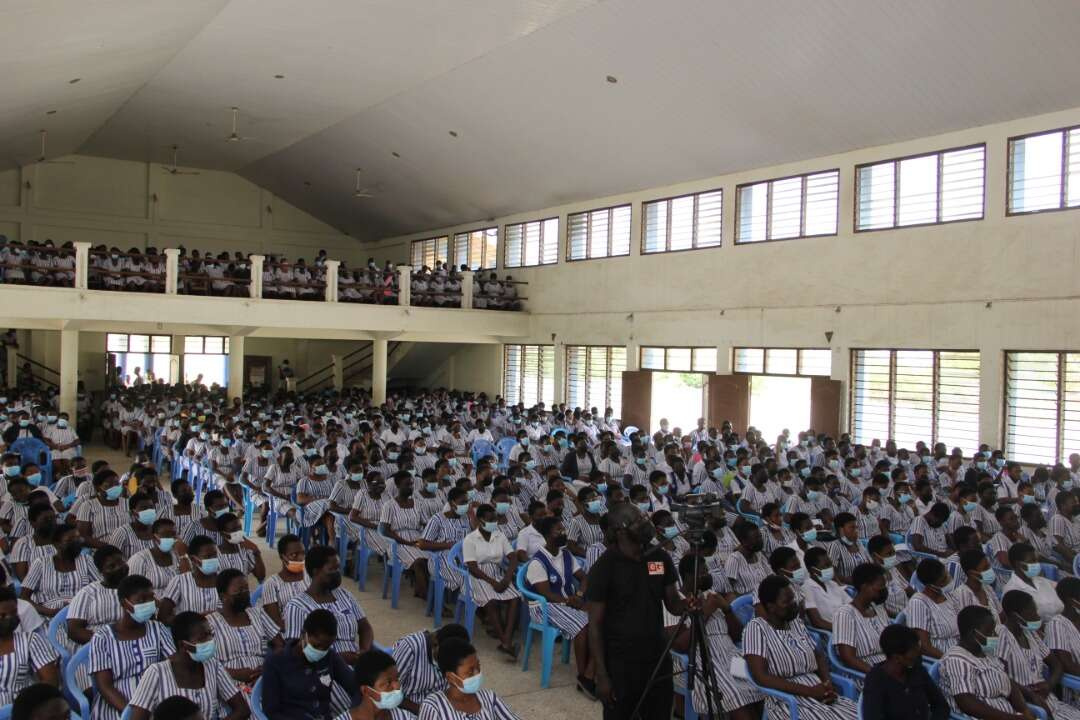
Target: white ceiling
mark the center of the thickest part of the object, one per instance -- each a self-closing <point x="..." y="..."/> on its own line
<point x="705" y="87"/>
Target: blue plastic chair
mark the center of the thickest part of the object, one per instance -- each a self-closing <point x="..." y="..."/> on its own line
<point x="504" y="447"/>
<point x="548" y="632"/>
<point x="915" y="553"/>
<point x="58" y="630"/>
<point x="392" y="575"/>
<point x="437" y="588"/>
<point x="465" y="611"/>
<point x="363" y="557"/>
<point x="32" y="450"/>
<point x="1050" y="572"/>
<point x="256" y="701"/>
<point x="482" y="448"/>
<point x="75" y="696"/>
<point x="839" y="666"/>
<point x="679" y="662"/>
<point x="934" y="671"/>
<point x="256" y="595"/>
<point x="746" y="514"/>
<point x="844" y="687"/>
<point x="5" y="712"/>
<point x="743" y="608"/>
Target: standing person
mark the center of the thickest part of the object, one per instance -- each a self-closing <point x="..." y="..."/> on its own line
<point x="627" y="589"/>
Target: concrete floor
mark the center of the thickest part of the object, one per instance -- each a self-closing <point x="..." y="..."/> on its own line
<point x="521" y="690"/>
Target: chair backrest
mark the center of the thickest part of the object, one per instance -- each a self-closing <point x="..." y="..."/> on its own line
<point x="5" y="712"/>
<point x="382" y="648"/>
<point x="256" y="595"/>
<point x="901" y="619"/>
<point x="256" y="701"/>
<point x="1076" y="566"/>
<point x="743" y="608"/>
<point x="74" y="694"/>
<point x="58" y="633"/>
<point x="32" y="450"/>
<point x="457" y="564"/>
<point x="519" y="582"/>
<point x="505" y="446"/>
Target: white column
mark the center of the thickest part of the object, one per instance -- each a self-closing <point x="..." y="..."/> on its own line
<point x="560" y="373"/>
<point x="633" y="356"/>
<point x="466" y="289"/>
<point x="339" y="371"/>
<point x="172" y="270"/>
<point x="404" y="285"/>
<point x="991" y="385"/>
<point x="723" y="359"/>
<point x="236" y="366"/>
<point x="841" y="370"/>
<point x="256" y="275"/>
<point x="69" y="373"/>
<point x="12" y="366"/>
<point x="82" y="265"/>
<point x="378" y="372"/>
<point x="332" y="281"/>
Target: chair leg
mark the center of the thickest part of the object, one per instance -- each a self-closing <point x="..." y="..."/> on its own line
<point x="547" y="657"/>
<point x="395" y="592"/>
<point x="566" y="643"/>
<point x="526" y="648"/>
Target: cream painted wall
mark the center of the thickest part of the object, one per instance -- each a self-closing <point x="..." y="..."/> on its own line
<point x="132" y="204"/>
<point x="996" y="284"/>
<point x="477" y="368"/>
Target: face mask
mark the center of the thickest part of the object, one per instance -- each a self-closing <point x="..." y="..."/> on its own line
<point x="210" y="566"/>
<point x="904" y="498"/>
<point x="472" y="685"/>
<point x="166" y="544"/>
<point x="798" y="576"/>
<point x="203" y="651"/>
<point x="391" y="456"/>
<point x="267" y="453"/>
<point x="461" y="510"/>
<point x="643" y="507"/>
<point x="872" y="505"/>
<point x="34" y="478"/>
<point x="813" y="495"/>
<point x="856" y="472"/>
<point x="12" y="471"/>
<point x="826" y="575"/>
<point x="142" y="612"/>
<point x="1030" y="625"/>
<point x="389" y="699"/>
<point x="61" y="424"/>
<point x="226" y="442"/>
<point x="204" y="435"/>
<point x="1067" y="485"/>
<point x="113" y="492"/>
<point x="333" y="580"/>
<point x="834" y="464"/>
<point x="670" y="532"/>
<point x="890" y="562"/>
<point x="809" y="536"/>
<point x="490" y="527"/>
<point x="1032" y="570"/>
<point x="989" y="644"/>
<point x="147" y="517"/>
<point x="969" y="507"/>
<point x="24" y="423"/>
<point x="322" y="470"/>
<point x="1029" y="499"/>
<point x="662" y="490"/>
<point x="235" y="537"/>
<point x="594" y="506"/>
<point x="745" y="470"/>
<point x="241" y="602"/>
<point x="9" y="625"/>
<point x="294" y="566"/>
<point x="988" y="576"/>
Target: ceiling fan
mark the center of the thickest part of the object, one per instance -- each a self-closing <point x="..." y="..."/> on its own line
<point x="361" y="193"/>
<point x="41" y="160"/>
<point x="173" y="170"/>
<point x="235" y="136"/>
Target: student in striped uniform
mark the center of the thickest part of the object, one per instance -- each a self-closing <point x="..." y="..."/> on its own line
<point x="379" y="693"/>
<point x="37" y="544"/>
<point x="416" y="655"/>
<point x="195" y="590"/>
<point x="445" y="530"/>
<point x="483" y="551"/>
<point x="40" y="701"/>
<point x="313" y="495"/>
<point x="780" y="654"/>
<point x="97" y="604"/>
<point x="883" y="553"/>
<point x="367" y="509"/>
<point x="345" y="492"/>
<point x="973" y="677"/>
<point x="847" y="552"/>
<point x="354" y="632"/>
<point x="120" y="652"/>
<point x="289" y="582"/>
<point x="465" y="697"/>
<point x="215" y="505"/>
<point x="584" y="528"/>
<point x="52" y="582"/>
<point x="24" y="657"/>
<point x="242" y="634"/>
<point x="191" y="672"/>
<point x="747" y="565"/>
<point x="159" y="563"/>
<point x="104" y="511"/>
<point x="186" y="512"/>
<point x="237" y="551"/>
<point x="138" y="534"/>
<point x="857" y="626"/>
<point x="401" y="521"/>
<point x="932" y="612"/>
<point x="978" y="582"/>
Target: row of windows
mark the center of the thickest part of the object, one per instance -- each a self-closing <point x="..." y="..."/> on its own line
<point x="783" y="361"/>
<point x="926" y="189"/>
<point x="162" y="344"/>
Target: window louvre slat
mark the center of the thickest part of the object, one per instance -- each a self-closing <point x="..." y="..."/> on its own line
<point x="598" y="233"/>
<point x="476" y="249"/>
<point x="530" y="244"/>
<point x="787" y="208"/>
<point x="428" y="252"/>
<point x="529" y="374"/>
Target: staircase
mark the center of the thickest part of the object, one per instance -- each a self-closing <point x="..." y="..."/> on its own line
<point x="39" y="374"/>
<point x="356" y="367"/>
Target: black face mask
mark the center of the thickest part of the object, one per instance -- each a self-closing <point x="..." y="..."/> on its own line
<point x="882" y="596"/>
<point x="241" y="602"/>
<point x="790" y="613"/>
<point x="113" y="579"/>
<point x="72" y="550"/>
<point x="757" y="546"/>
<point x="559" y="540"/>
<point x="704" y="583"/>
<point x="46" y="528"/>
<point x="333" y="580"/>
<point x="8" y="626"/>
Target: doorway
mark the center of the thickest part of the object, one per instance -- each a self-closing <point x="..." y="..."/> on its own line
<point x="778" y="402"/>
<point x="679" y="397"/>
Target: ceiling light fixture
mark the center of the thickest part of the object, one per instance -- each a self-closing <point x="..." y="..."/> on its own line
<point x="612" y="79"/>
<point x="395" y="154"/>
<point x="453" y="133"/>
<point x="73" y="81"/>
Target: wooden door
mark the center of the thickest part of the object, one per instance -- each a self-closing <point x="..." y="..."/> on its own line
<point x="729" y="399"/>
<point x="825" y="398"/>
<point x="257" y="371"/>
<point x="636" y="398"/>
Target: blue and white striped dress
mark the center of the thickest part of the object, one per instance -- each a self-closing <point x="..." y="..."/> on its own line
<point x="127" y="540"/>
<point x="186" y="595"/>
<point x="55" y="589"/>
<point x="407" y="523"/>
<point x="158" y="683"/>
<point x="97" y="605"/>
<point x="277" y="591"/>
<point x="103" y="519"/>
<point x="243" y="559"/>
<point x="127" y="660"/>
<point x="571" y="621"/>
<point x="371" y="509"/>
<point x="441" y="529"/>
<point x="344" y="607"/>
<point x="243" y="647"/>
<point x="344" y="495"/>
<point x="437" y="707"/>
<point x="417" y="671"/>
<point x="734" y="692"/>
<point x="31" y="653"/>
<point x="937" y="619"/>
<point x="320" y="490"/>
<point x="187" y="526"/>
<point x="984" y="677"/>
<point x="143" y="563"/>
<point x="27" y="551"/>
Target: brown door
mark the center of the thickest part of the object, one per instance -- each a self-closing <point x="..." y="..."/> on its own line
<point x="729" y="399"/>
<point x="825" y="399"/>
<point x="257" y="371"/>
<point x="636" y="398"/>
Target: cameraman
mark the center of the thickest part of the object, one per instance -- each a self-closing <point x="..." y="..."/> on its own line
<point x="627" y="589"/>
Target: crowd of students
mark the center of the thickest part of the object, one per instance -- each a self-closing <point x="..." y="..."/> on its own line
<point x="833" y="539"/>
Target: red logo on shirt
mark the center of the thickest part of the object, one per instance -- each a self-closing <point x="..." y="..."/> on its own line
<point x="656" y="568"/>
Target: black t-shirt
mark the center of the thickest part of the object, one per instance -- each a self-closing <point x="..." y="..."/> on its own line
<point x="916" y="699"/>
<point x="632" y="592"/>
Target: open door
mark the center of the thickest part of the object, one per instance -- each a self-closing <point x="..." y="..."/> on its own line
<point x="636" y="398"/>
<point x="729" y="399"/>
<point x="825" y="397"/>
<point x="257" y="371"/>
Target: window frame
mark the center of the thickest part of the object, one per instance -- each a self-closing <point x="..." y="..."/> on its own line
<point x="765" y="359"/>
<point x="542" y="348"/>
<point x="609" y="209"/>
<point x="896" y="186"/>
<point x="667" y="348"/>
<point x="202" y="338"/>
<point x="452" y="247"/>
<point x="150" y="343"/>
<point x="434" y="239"/>
<point x="1060" y="399"/>
<point x="540" y="222"/>
<point x="608" y="374"/>
<point x="935" y="402"/>
<point x="694" y="222"/>
<point x="1063" y="193"/>
<point x="768" y="209"/>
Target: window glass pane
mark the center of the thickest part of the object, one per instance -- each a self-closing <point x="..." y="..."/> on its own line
<point x="577" y="236"/>
<point x="785" y="220"/>
<point x="513" y="250"/>
<point x="1035" y="172"/>
<point x="710" y="216"/>
<point x="596" y="384"/>
<point x="116" y="342"/>
<point x="575" y="375"/>
<point x="620" y="230"/>
<point x="226" y="346"/>
<point x="618" y="367"/>
<point x="918" y="190"/>
<point x="600" y="225"/>
<point x="512" y="373"/>
<point x="822" y="199"/>
<point x="750" y="360"/>
<point x="682" y="223"/>
<point x="962" y="184"/>
<point x="705" y="359"/>
<point x="532" y="243"/>
<point x="781" y="361"/>
<point x="1072" y="170"/>
<point x="678" y="359"/>
<point x="876" y="188"/>
<point x="1071" y="411"/>
<point x="913" y="397"/>
<point x="753" y="205"/>
<point x="958" y="400"/>
<point x="490" y="239"/>
<point x="139" y="343"/>
<point x="871" y="409"/>
<point x="549" y="252"/>
<point x="656" y="222"/>
<point x="161" y="344"/>
<point x="652" y="358"/>
<point x="214" y="345"/>
<point x="193" y="344"/>
<point x="1032" y="403"/>
<point x="815" y="362"/>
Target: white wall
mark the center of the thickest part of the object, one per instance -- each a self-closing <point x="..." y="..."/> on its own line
<point x="996" y="284"/>
<point x="132" y="204"/>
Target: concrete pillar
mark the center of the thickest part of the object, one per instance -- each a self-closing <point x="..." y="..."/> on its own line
<point x="69" y="373"/>
<point x="841" y="370"/>
<point x="378" y="372"/>
<point x="82" y="265"/>
<point x="339" y="371"/>
<point x="12" y="366"/>
<point x="256" y="275"/>
<point x="332" y="280"/>
<point x="633" y="356"/>
<point x="236" y="367"/>
<point x="172" y="270"/>
<point x="404" y="285"/>
<point x="992" y="389"/>
<point x="560" y="373"/>
<point x="466" y="289"/>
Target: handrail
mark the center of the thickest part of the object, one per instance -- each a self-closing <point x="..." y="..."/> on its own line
<point x="35" y="363"/>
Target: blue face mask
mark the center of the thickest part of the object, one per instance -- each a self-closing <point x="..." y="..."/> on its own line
<point x="12" y="471"/>
<point x="856" y="472"/>
<point x="431" y="487"/>
<point x="113" y="492"/>
<point x="594" y="506"/>
<point x="147" y="517"/>
<point x="313" y="654"/>
<point x="904" y="498"/>
<point x="1031" y="625"/>
<point x="226" y="442"/>
<point x="391" y="456"/>
<point x="890" y="562"/>
<point x="322" y="471"/>
<point x="1032" y="569"/>
<point x="461" y="510"/>
<point x="662" y="490"/>
<point x="210" y="566"/>
<point x="988" y="576"/>
<point x="813" y="495"/>
<point x="34" y="479"/>
<point x="203" y="651"/>
<point x="989" y="644"/>
<point x="24" y="423"/>
<point x="799" y="576"/>
<point x="142" y="612"/>
<point x="670" y="532"/>
<point x="222" y="511"/>
<point x="643" y="507"/>
<point x="490" y="527"/>
<point x="731" y="462"/>
<point x="804" y="472"/>
<point x="471" y="494"/>
<point x="826" y="575"/>
<point x="970" y="507"/>
<point x="745" y="470"/>
<point x="356" y="477"/>
<point x="530" y="465"/>
<point x="809" y="536"/>
<point x="601" y="487"/>
<point x="166" y="544"/>
<point x="267" y="453"/>
<point x="472" y="685"/>
<point x="1030" y="499"/>
<point x="390" y="699"/>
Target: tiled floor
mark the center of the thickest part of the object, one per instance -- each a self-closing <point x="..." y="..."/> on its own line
<point x="520" y="689"/>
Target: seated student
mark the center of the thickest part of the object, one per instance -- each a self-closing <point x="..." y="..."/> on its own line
<point x="774" y="533"/>
<point x="1026" y="656"/>
<point x="846" y="552"/>
<point x="402" y="521"/>
<point x="483" y="552"/>
<point x="288" y="582"/>
<point x="747" y="565"/>
<point x="417" y="656"/>
<point x="899" y="687"/>
<point x="738" y="698"/>
<point x="883" y="553"/>
<point x="97" y="604"/>
<point x="40" y="701"/>
<point x="52" y="582"/>
<point x="104" y="511"/>
<point x="1027" y="576"/>
<point x="354" y="633"/>
<point x="24" y="657"/>
<point x="1063" y="632"/>
<point x="242" y="633"/>
<point x="191" y="672"/>
<point x="1065" y="525"/>
<point x="178" y="708"/>
<point x="379" y="691"/>
<point x="308" y="679"/>
<point x="784" y="562"/>
<point x="978" y="586"/>
<point x="137" y="534"/>
<point x="781" y="655"/>
<point x="237" y="551"/>
<point x="972" y="676"/>
<point x="37" y="544"/>
<point x="928" y="532"/>
<point x="1007" y="535"/>
<point x="554" y="574"/>
<point x="196" y="589"/>
<point x="932" y="611"/>
<point x="667" y="535"/>
<point x="857" y="626"/>
<point x="464" y="697"/>
<point x="822" y="595"/>
<point x="120" y="652"/>
<point x="159" y="563"/>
